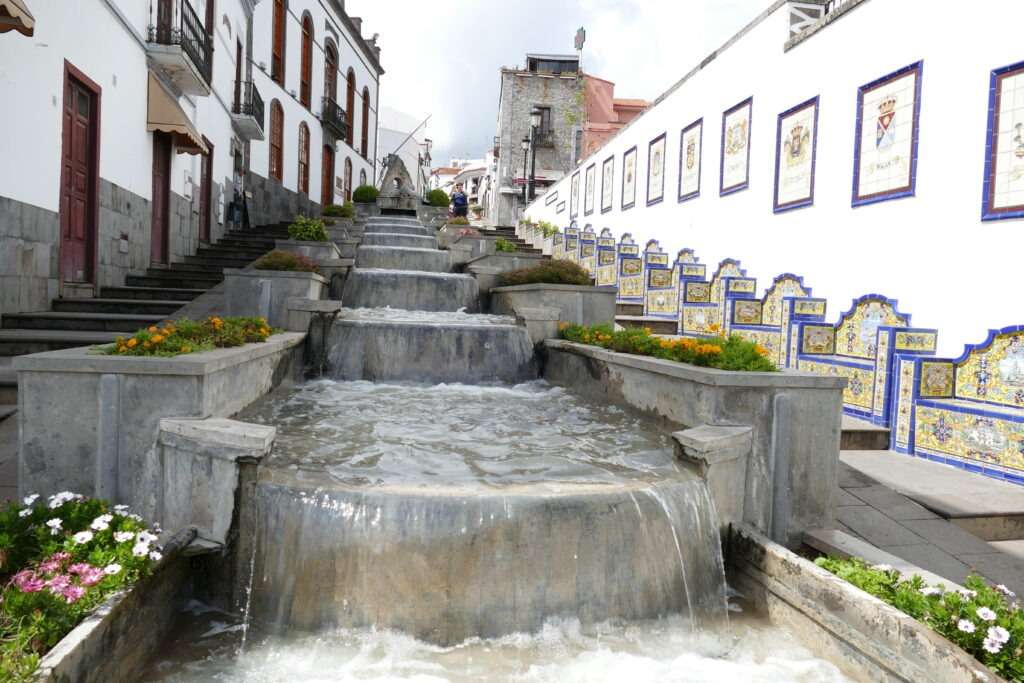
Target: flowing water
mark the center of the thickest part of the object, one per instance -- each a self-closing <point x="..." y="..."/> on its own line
<point x="664" y="651"/>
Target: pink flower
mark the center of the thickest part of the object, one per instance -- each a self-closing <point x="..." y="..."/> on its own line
<point x="73" y="593"/>
<point x="91" y="576"/>
<point x="79" y="568"/>
<point x="53" y="563"/>
<point x="59" y="584"/>
<point x="28" y="582"/>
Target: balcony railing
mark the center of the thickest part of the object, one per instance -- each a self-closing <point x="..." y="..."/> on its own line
<point x="176" y="23"/>
<point x="248" y="110"/>
<point x="545" y="138"/>
<point x="332" y="116"/>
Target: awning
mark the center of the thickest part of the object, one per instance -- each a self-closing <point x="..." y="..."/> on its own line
<point x="167" y="116"/>
<point x="14" y="16"/>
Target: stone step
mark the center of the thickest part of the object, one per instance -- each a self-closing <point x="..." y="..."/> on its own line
<point x="248" y="242"/>
<point x="124" y="306"/>
<point x="172" y="281"/>
<point x="394" y="239"/>
<point x="21" y="342"/>
<point x="200" y="268"/>
<point x="410" y="290"/>
<point x="152" y="293"/>
<point x="230" y="252"/>
<point x="8" y="384"/>
<point x="79" y="322"/>
<point x="399" y="229"/>
<point x="8" y="410"/>
<point x="391" y="218"/>
<point x="861" y="435"/>
<point x="403" y="258"/>
<point x="219" y="261"/>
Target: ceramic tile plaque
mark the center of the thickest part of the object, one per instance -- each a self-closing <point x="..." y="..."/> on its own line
<point x="629" y="178"/>
<point x="607" y="184"/>
<point x="588" y="192"/>
<point x="796" y="145"/>
<point x="656" y="170"/>
<point x="1004" y="149"/>
<point x="735" y="168"/>
<point x="690" y="143"/>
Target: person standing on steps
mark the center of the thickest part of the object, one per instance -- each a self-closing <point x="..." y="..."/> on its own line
<point x="460" y="203"/>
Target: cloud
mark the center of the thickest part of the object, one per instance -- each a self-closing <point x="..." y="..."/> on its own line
<point x="443" y="58"/>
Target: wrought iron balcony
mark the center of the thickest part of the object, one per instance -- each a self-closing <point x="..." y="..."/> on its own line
<point x="179" y="43"/>
<point x="333" y="117"/>
<point x="247" y="111"/>
<point x="545" y="138"/>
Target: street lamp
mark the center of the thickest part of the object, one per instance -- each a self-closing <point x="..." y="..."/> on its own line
<point x="526" y="149"/>
<point x="535" y="116"/>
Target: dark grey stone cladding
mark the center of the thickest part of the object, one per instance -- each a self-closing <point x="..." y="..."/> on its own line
<point x="28" y="256"/>
<point x="271" y="202"/>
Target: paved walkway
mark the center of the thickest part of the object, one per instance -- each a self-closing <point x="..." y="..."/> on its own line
<point x="871" y="506"/>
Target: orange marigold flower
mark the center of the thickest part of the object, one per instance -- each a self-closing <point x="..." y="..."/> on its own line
<point x="152" y="329"/>
<point x="157" y="338"/>
<point x="131" y="343"/>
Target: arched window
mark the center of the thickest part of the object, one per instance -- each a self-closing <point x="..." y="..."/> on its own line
<point x="331" y="71"/>
<point x="276" y="141"/>
<point x="327" y="176"/>
<point x="303" y="158"/>
<point x="350" y="107"/>
<point x="306" y="76"/>
<point x="348" y="179"/>
<point x="362" y="177"/>
<point x="277" y="46"/>
<point x="364" y="144"/>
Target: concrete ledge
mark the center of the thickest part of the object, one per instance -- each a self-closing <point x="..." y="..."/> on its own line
<point x="578" y="304"/>
<point x="719" y="456"/>
<point x="867" y="638"/>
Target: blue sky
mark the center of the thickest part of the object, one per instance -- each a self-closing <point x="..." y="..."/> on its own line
<point x="442" y="58"/>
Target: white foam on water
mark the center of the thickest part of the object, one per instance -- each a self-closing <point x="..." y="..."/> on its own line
<point x="401" y="315"/>
<point x="649" y="652"/>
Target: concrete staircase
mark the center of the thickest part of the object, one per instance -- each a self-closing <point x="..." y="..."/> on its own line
<point x="144" y="300"/>
<point x="509" y="233"/>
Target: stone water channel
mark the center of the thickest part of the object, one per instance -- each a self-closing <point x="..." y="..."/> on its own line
<point x="432" y="511"/>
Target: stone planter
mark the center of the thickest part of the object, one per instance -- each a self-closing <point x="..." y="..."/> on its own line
<point x="577" y="304"/>
<point x="487" y="269"/>
<point x="266" y="292"/>
<point x="793" y="420"/>
<point x="338" y="233"/>
<point x="316" y="251"/>
<point x="335" y="271"/>
<point x="434" y="216"/>
<point x="108" y="409"/>
<point x="366" y="209"/>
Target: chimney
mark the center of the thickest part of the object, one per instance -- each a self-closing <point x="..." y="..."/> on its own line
<point x="803" y="14"/>
<point x="358" y="22"/>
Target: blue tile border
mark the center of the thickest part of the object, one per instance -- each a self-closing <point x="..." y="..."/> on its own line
<point x="906" y="191"/>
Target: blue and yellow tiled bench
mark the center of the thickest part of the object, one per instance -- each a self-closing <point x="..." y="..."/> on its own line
<point x="659" y="311"/>
<point x="861" y="347"/>
<point x="966" y="411"/>
<point x="702" y="304"/>
<point x="767" y="321"/>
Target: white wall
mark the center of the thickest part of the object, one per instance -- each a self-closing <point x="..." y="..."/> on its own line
<point x="932" y="252"/>
<point x="294" y="112"/>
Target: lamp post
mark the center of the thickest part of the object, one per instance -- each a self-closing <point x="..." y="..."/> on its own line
<point x="534" y="125"/>
<point x="526" y="150"/>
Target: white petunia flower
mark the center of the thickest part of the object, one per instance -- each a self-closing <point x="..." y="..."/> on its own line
<point x="1006" y="591"/>
<point x="966" y="593"/>
<point x="82" y="537"/>
<point x="992" y="646"/>
<point x="883" y="567"/>
<point x="25" y="513"/>
<point x="930" y="591"/>
<point x="28" y="500"/>
<point x="55" y="525"/>
<point x="101" y="523"/>
<point x="123" y="536"/>
<point x="998" y="634"/>
<point x="140" y="549"/>
<point x="966" y="626"/>
<point x="985" y="614"/>
<point x="156" y="556"/>
<point x="145" y="537"/>
<point x="112" y="569"/>
<point x="134" y="517"/>
<point x="121" y="509"/>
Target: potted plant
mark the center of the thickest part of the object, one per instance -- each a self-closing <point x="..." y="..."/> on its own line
<point x="265" y="287"/>
<point x="338" y="220"/>
<point x="308" y="236"/>
<point x="477" y="211"/>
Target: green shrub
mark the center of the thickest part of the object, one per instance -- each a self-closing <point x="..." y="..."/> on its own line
<point x="548" y="272"/>
<point x="365" y="194"/>
<point x="307" y="230"/>
<point x="980" y="619"/>
<point x="504" y="245"/>
<point x="284" y="260"/>
<point x="476" y="208"/>
<point x="547" y="229"/>
<point x="62" y="557"/>
<point x="345" y="210"/>
<point x="458" y="220"/>
<point x="734" y="353"/>
<point x="438" y="198"/>
<point x="178" y="337"/>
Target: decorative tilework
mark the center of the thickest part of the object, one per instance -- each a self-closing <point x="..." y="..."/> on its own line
<point x="735" y="156"/>
<point x="631" y="266"/>
<point x="659" y="278"/>
<point x="589" y="189"/>
<point x="698" y="320"/>
<point x="785" y="285"/>
<point x="698" y="293"/>
<point x="768" y="339"/>
<point x="905" y="402"/>
<point x="656" y="170"/>
<point x="885" y="146"/>
<point x="1003" y="188"/>
<point x="819" y="339"/>
<point x="607" y="182"/>
<point x="746" y="312"/>
<point x="588" y="251"/>
<point x="629" y="178"/>
<point x="558" y="246"/>
<point x="690" y="149"/>
<point x="796" y="144"/>
<point x="878" y="404"/>
<point x="816" y="307"/>
<point x="994" y="370"/>
<point x="742" y="286"/>
<point x="660" y="302"/>
<point x="698" y="270"/>
<point x="979" y="437"/>
<point x="916" y="341"/>
<point x="607" y="270"/>
<point x="686" y="256"/>
<point x="858" y="327"/>
<point x="574" y="195"/>
<point x="859" y="381"/>
<point x="936" y="379"/>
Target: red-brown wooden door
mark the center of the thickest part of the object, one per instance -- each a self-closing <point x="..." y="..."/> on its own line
<point x="161" y="197"/>
<point x="206" y="193"/>
<point x="164" y="20"/>
<point x="327" y="177"/>
<point x="78" y="182"/>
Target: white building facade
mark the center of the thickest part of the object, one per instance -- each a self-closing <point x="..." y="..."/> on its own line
<point x="856" y="150"/>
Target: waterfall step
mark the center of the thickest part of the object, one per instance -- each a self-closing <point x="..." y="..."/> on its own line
<point x="397" y="229"/>
<point x="410" y="290"/>
<point x="468" y="352"/>
<point x="394" y="239"/>
<point x="403" y="258"/>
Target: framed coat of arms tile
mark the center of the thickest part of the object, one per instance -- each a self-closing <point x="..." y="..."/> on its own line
<point x="629" y="178"/>
<point x="796" y="146"/>
<point x="656" y="170"/>
<point x="735" y="165"/>
<point x="607" y="183"/>
<point x="574" y="195"/>
<point x="690" y="143"/>
<point x="590" y="178"/>
<point x="1003" y="187"/>
<point x="885" y="146"/>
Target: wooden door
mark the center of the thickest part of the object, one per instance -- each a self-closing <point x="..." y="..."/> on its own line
<point x="327" y="177"/>
<point x="206" y="193"/>
<point x="164" y="20"/>
<point x="78" y="182"/>
<point x="158" y="247"/>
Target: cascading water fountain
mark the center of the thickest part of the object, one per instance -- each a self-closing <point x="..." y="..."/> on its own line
<point x="433" y="511"/>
